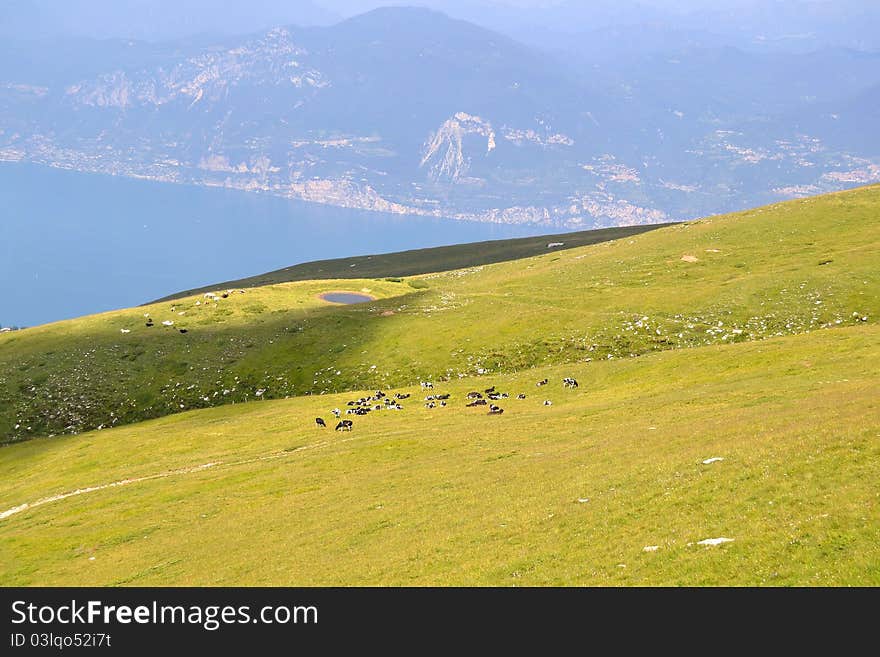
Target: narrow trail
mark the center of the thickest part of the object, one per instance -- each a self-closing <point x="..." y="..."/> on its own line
<point x="93" y="489"/>
<point x="273" y="456"/>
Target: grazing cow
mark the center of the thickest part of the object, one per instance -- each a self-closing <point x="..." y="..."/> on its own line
<point x="402" y="396"/>
<point x="569" y="382"/>
<point x="379" y="394"/>
<point x="474" y="395"/>
<point x="344" y="425"/>
<point x="477" y="402"/>
<point x="495" y="410"/>
<point x="150" y="322"/>
<point x="443" y="396"/>
<point x="430" y="405"/>
<point x="427" y="385"/>
<point x="520" y="396"/>
<point x="319" y="421"/>
<point x="493" y="407"/>
<point x="336" y="412"/>
<point x="548" y="403"/>
<point x="489" y="390"/>
<point x="184" y="330"/>
<point x="542" y="383"/>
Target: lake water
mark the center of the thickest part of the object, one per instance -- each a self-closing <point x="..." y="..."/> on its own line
<point x="74" y="243"/>
<point x="345" y="297"/>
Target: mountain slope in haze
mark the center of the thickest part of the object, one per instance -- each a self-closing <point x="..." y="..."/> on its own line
<point x="797" y="25"/>
<point x="843" y="123"/>
<point x="345" y="115"/>
<point x="792" y="268"/>
<point x="408" y="111"/>
<point x="756" y="25"/>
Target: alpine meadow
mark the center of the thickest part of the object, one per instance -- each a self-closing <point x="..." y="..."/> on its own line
<point x="690" y="405"/>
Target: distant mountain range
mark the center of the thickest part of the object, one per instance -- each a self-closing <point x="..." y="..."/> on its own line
<point x="761" y="25"/>
<point x="406" y="110"/>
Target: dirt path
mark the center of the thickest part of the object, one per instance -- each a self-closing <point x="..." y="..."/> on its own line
<point x="164" y="475"/>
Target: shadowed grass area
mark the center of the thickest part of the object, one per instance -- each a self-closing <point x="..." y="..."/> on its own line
<point x="571" y="493"/>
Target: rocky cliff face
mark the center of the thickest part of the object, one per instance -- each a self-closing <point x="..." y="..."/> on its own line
<point x="445" y="155"/>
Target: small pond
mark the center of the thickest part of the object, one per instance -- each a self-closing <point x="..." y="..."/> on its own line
<point x="346" y="297"/>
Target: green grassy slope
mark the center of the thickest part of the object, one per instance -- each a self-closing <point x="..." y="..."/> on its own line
<point x="782" y="270"/>
<point x="425" y="261"/>
<point x="572" y="493"/>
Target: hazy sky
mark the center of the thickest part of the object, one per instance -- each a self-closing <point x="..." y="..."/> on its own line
<point x="348" y="7"/>
<point x="164" y="19"/>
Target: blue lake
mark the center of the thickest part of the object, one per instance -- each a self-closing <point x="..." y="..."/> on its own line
<point x="74" y="243"/>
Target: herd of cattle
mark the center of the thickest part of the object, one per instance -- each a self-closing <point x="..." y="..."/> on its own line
<point x="169" y="323"/>
<point x="382" y="401"/>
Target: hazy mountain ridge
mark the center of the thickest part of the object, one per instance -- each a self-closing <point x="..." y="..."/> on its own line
<point x="655" y="25"/>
